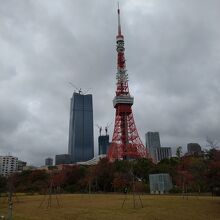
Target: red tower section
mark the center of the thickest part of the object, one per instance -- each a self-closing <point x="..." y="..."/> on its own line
<point x="126" y="143"/>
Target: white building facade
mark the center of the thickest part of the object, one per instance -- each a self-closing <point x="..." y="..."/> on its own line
<point x="160" y="183"/>
<point x="8" y="165"/>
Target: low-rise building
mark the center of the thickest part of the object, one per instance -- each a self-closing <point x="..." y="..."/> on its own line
<point x="62" y="159"/>
<point x="93" y="161"/>
<point x="30" y="167"/>
<point x="21" y="165"/>
<point x="8" y="165"/>
<point x="49" y="161"/>
<point x="160" y="183"/>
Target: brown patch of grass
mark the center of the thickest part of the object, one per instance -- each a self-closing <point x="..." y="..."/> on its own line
<point x="108" y="207"/>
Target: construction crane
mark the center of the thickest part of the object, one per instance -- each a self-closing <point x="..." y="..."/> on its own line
<point x="100" y="129"/>
<point x="106" y="127"/>
<point x="79" y="90"/>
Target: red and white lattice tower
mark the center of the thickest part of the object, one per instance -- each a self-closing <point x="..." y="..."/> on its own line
<point x="126" y="143"/>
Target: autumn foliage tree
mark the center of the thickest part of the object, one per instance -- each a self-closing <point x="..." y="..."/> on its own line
<point x="197" y="173"/>
<point x="213" y="173"/>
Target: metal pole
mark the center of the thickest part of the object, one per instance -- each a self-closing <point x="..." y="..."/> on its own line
<point x="10" y="205"/>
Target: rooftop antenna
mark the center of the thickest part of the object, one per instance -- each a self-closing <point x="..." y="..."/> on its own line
<point x="100" y="129"/>
<point x="106" y="127"/>
<point x="119" y="21"/>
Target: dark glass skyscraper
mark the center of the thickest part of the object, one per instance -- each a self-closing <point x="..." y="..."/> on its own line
<point x="152" y="143"/>
<point x="152" y="139"/>
<point x="81" y="141"/>
<point x="103" y="144"/>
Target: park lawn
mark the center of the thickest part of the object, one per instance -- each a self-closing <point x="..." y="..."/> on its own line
<point x="109" y="207"/>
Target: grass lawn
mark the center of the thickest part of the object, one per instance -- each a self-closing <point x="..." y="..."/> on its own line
<point x="109" y="207"/>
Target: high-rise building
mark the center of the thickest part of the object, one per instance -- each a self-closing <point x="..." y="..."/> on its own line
<point x="8" y="165"/>
<point x="62" y="159"/>
<point x="163" y="153"/>
<point x="158" y="153"/>
<point x="194" y="148"/>
<point x="152" y="141"/>
<point x="49" y="161"/>
<point x="81" y="141"/>
<point x="103" y="144"/>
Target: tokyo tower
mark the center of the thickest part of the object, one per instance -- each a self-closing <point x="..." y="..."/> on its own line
<point x="126" y="143"/>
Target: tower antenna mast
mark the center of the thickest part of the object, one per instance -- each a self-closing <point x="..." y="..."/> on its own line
<point x="126" y="143"/>
<point x="119" y="21"/>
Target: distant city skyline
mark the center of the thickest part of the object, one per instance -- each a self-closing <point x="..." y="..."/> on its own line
<point x="172" y="53"/>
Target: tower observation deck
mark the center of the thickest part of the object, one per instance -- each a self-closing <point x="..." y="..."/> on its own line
<point x="126" y="143"/>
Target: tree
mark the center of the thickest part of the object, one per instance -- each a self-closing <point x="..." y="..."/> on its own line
<point x="121" y="166"/>
<point x="211" y="142"/>
<point x="3" y="184"/>
<point x="104" y="175"/>
<point x="121" y="181"/>
<point x="213" y="173"/>
<point x="31" y="181"/>
<point x="184" y="177"/>
<point x="73" y="177"/>
<point x="89" y="182"/>
<point x="142" y="168"/>
<point x="198" y="169"/>
<point x="167" y="165"/>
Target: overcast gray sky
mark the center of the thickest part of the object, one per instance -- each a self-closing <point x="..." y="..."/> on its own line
<point x="173" y="62"/>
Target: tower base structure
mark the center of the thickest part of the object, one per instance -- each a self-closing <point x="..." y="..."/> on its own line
<point x="126" y="143"/>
